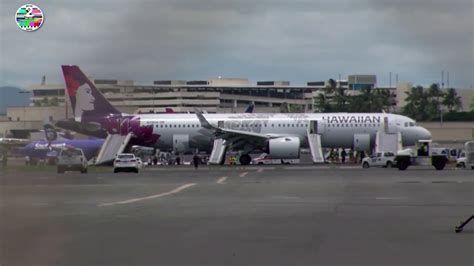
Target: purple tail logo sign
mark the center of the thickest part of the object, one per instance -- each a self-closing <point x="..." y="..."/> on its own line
<point x="86" y="100"/>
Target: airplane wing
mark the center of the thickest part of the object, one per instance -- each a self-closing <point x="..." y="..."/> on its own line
<point x="235" y="135"/>
<point x="7" y="144"/>
<point x="13" y="142"/>
<point x="82" y="128"/>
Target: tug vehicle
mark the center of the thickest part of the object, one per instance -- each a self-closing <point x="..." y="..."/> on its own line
<point x="422" y="155"/>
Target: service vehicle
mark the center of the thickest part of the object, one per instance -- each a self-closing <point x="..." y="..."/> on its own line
<point x="265" y="158"/>
<point x="380" y="159"/>
<point x="71" y="159"/>
<point x="126" y="162"/>
<point x="422" y="155"/>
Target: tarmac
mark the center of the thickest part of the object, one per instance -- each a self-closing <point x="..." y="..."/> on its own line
<point x="259" y="215"/>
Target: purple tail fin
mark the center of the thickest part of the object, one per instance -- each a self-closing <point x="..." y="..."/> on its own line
<point x="86" y="100"/>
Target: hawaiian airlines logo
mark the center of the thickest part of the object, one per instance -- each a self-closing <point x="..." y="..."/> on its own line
<point x="352" y="119"/>
<point x="80" y="93"/>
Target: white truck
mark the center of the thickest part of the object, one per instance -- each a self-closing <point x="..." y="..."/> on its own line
<point x="71" y="159"/>
<point x="422" y="155"/>
<point x="380" y="159"/>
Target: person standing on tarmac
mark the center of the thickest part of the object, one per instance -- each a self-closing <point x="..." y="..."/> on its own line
<point x="196" y="161"/>
<point x="343" y="156"/>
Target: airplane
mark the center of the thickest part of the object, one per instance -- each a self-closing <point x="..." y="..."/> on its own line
<point x="281" y="135"/>
<point x="48" y="149"/>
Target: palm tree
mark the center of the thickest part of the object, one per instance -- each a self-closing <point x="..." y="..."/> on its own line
<point x="416" y="101"/>
<point x="322" y="104"/>
<point x="434" y="103"/>
<point x="452" y="101"/>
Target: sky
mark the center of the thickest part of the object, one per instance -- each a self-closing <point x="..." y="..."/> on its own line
<point x="297" y="40"/>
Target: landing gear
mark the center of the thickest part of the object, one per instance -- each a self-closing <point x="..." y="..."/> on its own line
<point x="245" y="159"/>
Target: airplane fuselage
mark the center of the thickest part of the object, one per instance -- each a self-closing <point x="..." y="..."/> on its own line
<point x="337" y="130"/>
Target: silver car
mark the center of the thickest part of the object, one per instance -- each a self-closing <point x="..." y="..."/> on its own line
<point x="71" y="159"/>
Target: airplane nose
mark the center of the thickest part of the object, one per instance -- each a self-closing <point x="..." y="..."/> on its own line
<point x="425" y="134"/>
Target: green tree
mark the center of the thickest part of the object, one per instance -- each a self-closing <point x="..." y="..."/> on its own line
<point x="45" y="101"/>
<point x="434" y="95"/>
<point x="416" y="101"/>
<point x="452" y="101"/>
<point x="322" y="104"/>
<point x="54" y="102"/>
<point x="284" y="108"/>
<point x="340" y="100"/>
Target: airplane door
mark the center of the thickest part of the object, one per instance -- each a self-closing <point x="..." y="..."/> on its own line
<point x="390" y="126"/>
<point x="316" y="127"/>
<point x="180" y="143"/>
<point x="124" y="126"/>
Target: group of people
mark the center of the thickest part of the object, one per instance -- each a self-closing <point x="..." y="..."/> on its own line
<point x="172" y="159"/>
<point x="340" y="156"/>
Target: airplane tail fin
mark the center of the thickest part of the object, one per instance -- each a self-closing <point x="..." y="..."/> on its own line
<point x="86" y="100"/>
<point x="50" y="133"/>
<point x="169" y="110"/>
<point x="249" y="108"/>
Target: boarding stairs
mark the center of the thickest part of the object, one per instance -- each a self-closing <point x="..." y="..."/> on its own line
<point x="388" y="138"/>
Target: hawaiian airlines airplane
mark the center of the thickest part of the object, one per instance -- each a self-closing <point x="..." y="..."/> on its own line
<point x="281" y="135"/>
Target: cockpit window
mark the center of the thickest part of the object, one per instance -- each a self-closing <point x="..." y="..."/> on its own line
<point x="412" y="124"/>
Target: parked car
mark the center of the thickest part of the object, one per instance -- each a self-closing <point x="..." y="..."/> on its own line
<point x="126" y="162"/>
<point x="380" y="159"/>
<point x="267" y="159"/>
<point x="71" y="159"/>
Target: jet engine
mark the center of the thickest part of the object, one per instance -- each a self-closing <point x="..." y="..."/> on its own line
<point x="284" y="148"/>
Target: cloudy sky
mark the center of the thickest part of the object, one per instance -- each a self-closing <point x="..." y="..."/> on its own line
<point x="297" y="40"/>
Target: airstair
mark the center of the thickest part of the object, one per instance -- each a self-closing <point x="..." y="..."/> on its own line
<point x="218" y="152"/>
<point x="388" y="138"/>
<point x="113" y="145"/>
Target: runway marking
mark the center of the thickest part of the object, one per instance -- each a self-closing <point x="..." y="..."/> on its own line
<point x="260" y="170"/>
<point x="222" y="180"/>
<point x="244" y="174"/>
<point x="174" y="191"/>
